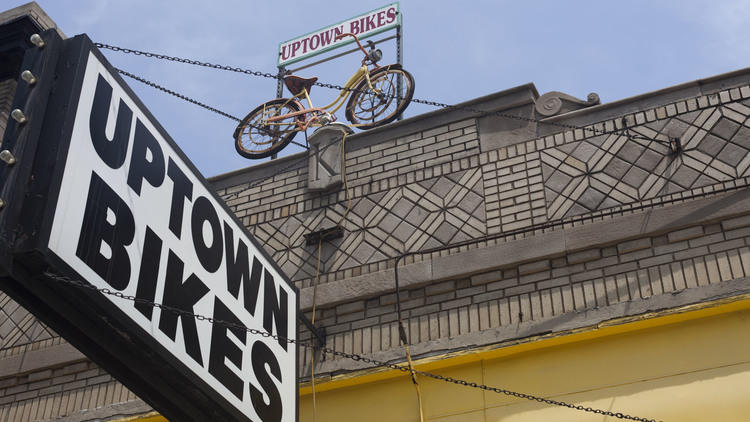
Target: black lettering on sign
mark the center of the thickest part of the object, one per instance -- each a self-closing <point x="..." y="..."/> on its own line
<point x="210" y="256"/>
<point x="182" y="189"/>
<point x="182" y="296"/>
<point x="238" y="270"/>
<point x="147" y="278"/>
<point x="107" y="227"/>
<point x="275" y="309"/>
<point x="112" y="152"/>
<point x="222" y="347"/>
<point x="268" y="411"/>
<point x="146" y="160"/>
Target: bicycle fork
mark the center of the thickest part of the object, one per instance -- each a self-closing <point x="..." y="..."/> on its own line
<point x="370" y="87"/>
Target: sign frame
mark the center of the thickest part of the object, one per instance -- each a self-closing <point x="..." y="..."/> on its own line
<point x="87" y="318"/>
<point x="334" y="45"/>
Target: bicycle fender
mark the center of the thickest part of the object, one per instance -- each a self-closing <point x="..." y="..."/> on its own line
<point x="386" y="68"/>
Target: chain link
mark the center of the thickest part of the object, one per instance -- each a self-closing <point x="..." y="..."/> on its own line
<point x="329" y="351"/>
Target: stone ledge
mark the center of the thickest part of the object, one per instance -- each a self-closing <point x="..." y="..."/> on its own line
<point x="33" y="11"/>
<point x="558" y="324"/>
<point x="114" y="412"/>
<point x="555" y="243"/>
<point x="35" y="360"/>
<point x="646" y="101"/>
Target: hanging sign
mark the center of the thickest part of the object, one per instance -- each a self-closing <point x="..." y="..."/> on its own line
<point x="127" y="212"/>
<point x="324" y="39"/>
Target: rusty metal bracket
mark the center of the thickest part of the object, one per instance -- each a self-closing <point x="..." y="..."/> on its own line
<point x="324" y="235"/>
<point x="319" y="333"/>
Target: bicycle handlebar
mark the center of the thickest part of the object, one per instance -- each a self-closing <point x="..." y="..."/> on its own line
<point x="356" y="39"/>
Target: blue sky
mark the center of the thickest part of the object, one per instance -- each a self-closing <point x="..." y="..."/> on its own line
<point x="456" y="51"/>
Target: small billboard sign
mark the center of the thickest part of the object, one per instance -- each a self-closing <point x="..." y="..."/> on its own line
<point x="324" y="39"/>
<point x="125" y="211"/>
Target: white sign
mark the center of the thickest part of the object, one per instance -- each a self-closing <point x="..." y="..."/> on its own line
<point x="131" y="216"/>
<point x="324" y="39"/>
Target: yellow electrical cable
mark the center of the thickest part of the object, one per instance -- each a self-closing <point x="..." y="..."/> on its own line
<point x="346" y="183"/>
<point x="414" y="380"/>
<point x="317" y="275"/>
<point x="312" y="354"/>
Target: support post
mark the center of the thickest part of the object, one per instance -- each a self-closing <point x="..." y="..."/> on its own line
<point x="325" y="169"/>
<point x="400" y="60"/>
<point x="279" y="91"/>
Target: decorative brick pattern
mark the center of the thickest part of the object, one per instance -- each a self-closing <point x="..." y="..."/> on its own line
<point x="410" y="193"/>
<point x="58" y="392"/>
<point x="434" y="212"/>
<point x="609" y="170"/>
<point x="18" y="326"/>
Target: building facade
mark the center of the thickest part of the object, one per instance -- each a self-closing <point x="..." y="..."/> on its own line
<point x="591" y="254"/>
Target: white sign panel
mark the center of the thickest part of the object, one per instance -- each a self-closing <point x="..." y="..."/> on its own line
<point x="324" y="39"/>
<point x="131" y="216"/>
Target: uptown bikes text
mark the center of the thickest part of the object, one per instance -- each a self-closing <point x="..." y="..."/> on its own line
<point x="109" y="222"/>
<point x="325" y="38"/>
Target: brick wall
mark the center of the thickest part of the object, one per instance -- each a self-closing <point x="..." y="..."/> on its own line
<point x="544" y="290"/>
<point x="55" y="392"/>
<point x="412" y="190"/>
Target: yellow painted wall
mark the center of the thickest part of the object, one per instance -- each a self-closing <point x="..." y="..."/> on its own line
<point x="696" y="369"/>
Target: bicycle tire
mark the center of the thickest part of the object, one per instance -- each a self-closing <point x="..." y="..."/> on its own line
<point x="367" y="109"/>
<point x="255" y="139"/>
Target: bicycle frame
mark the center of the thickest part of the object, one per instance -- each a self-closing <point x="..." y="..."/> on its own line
<point x="333" y="107"/>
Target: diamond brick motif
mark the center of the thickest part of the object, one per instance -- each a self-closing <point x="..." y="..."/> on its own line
<point x="425" y="214"/>
<point x="610" y="170"/>
<point x="18" y="326"/>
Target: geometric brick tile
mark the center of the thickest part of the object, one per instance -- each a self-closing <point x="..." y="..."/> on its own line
<point x="609" y="170"/>
<point x="434" y="212"/>
<point x="18" y="326"/>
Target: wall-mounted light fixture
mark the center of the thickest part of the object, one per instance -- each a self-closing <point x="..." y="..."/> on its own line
<point x="37" y="40"/>
<point x="18" y="116"/>
<point x="29" y="77"/>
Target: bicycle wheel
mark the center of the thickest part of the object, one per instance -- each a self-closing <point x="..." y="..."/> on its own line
<point x="372" y="108"/>
<point x="255" y="137"/>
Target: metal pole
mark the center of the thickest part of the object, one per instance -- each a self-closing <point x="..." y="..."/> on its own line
<point x="399" y="60"/>
<point x="279" y="92"/>
<point x="280" y="82"/>
<point x="354" y="50"/>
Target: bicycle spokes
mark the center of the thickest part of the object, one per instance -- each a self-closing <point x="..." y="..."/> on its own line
<point x="267" y="129"/>
<point x="380" y="98"/>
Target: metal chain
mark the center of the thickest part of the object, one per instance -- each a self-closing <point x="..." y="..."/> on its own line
<point x="593" y="130"/>
<point x="342" y="88"/>
<point x="351" y="356"/>
<point x="187" y="61"/>
<point x="191" y="100"/>
<point x="176" y="94"/>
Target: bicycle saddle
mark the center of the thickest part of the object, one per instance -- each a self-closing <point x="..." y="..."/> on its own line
<point x="295" y="84"/>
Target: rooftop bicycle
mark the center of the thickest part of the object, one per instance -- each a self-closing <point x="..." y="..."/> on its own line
<point x="376" y="96"/>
